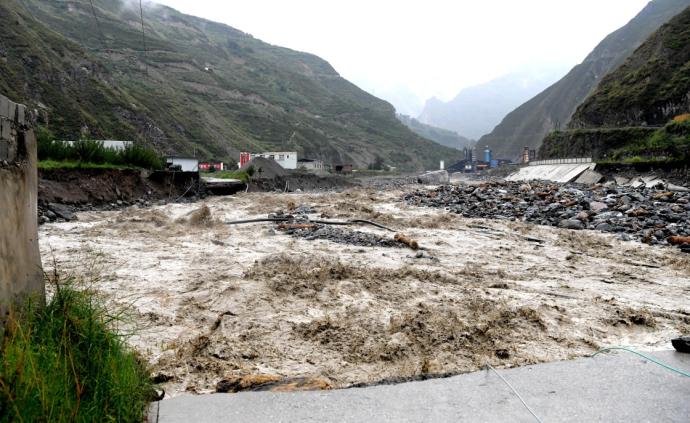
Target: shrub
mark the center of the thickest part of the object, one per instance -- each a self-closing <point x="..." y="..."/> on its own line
<point x="682" y="118"/>
<point x="139" y="156"/>
<point x="64" y="363"/>
<point x="93" y="152"/>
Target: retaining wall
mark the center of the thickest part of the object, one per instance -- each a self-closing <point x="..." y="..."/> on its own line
<point x="21" y="273"/>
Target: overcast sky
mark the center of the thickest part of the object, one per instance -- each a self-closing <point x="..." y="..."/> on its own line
<point x="431" y="47"/>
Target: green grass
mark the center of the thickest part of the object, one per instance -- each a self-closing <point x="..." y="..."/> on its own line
<point x="670" y="143"/>
<point x="64" y="363"/>
<point x="54" y="164"/>
<point x="242" y="175"/>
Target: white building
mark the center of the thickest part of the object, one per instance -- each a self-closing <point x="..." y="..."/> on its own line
<point x="286" y="159"/>
<point x="311" y="164"/>
<point x="186" y="164"/>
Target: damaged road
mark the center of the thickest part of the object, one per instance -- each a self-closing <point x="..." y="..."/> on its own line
<point x="218" y="307"/>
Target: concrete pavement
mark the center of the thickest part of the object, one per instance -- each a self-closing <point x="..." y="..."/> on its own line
<point x="616" y="387"/>
<point x="562" y="173"/>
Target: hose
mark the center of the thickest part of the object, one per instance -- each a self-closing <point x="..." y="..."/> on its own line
<point x="646" y="357"/>
<point x="517" y="394"/>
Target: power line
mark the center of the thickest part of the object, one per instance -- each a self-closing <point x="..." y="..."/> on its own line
<point x="98" y="25"/>
<point x="143" y="35"/>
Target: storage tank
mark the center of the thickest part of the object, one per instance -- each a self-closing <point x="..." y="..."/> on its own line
<point x="487" y="155"/>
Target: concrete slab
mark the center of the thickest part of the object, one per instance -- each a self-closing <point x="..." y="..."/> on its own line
<point x="620" y="180"/>
<point x="618" y="387"/>
<point x="4" y="107"/>
<point x="5" y="129"/>
<point x="12" y="111"/>
<point x="21" y="114"/>
<point x="434" y="178"/>
<point x="589" y="177"/>
<point x="561" y="173"/>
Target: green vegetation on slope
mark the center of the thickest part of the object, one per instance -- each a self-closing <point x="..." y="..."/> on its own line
<point x="622" y="145"/>
<point x="242" y="175"/>
<point x="198" y="87"/>
<point x="650" y="88"/>
<point x="62" y="363"/>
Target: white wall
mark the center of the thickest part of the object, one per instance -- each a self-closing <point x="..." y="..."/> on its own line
<point x="315" y="165"/>
<point x="188" y="165"/>
<point x="286" y="159"/>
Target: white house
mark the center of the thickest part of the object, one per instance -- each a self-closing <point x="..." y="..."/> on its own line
<point x="186" y="164"/>
<point x="286" y="159"/>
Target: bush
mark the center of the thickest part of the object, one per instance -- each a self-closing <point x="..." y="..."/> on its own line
<point x="63" y="363"/>
<point x="90" y="151"/>
<point x="139" y="156"/>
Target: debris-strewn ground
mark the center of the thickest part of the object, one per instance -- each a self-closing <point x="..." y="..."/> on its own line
<point x="654" y="216"/>
<point x="227" y="308"/>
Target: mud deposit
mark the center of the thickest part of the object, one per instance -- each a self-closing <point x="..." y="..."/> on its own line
<point x="217" y="306"/>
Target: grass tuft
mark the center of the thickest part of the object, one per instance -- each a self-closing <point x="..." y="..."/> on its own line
<point x="64" y="363"/>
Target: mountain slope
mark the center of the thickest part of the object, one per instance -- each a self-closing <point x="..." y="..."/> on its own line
<point x="529" y="123"/>
<point x="191" y="86"/>
<point x="475" y="111"/>
<point x="438" y="135"/>
<point x="650" y="88"/>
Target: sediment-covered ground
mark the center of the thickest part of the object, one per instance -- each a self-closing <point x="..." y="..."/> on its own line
<point x="222" y="307"/>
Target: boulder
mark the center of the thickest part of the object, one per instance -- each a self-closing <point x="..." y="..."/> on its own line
<point x="438" y="177"/>
<point x="62" y="211"/>
<point x="571" y="224"/>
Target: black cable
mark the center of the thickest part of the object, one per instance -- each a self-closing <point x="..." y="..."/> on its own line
<point x="98" y="25"/>
<point x="143" y="35"/>
<point x="318" y="222"/>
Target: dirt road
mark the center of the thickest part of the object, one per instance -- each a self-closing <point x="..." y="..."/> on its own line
<point x="211" y="301"/>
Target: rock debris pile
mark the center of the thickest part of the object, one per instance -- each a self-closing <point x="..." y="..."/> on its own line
<point x="648" y="215"/>
<point x="300" y="226"/>
<point x="343" y="236"/>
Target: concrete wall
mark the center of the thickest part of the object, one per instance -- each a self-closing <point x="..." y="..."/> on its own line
<point x="21" y="273"/>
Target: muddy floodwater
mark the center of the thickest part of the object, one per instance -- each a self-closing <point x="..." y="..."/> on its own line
<point x="210" y="302"/>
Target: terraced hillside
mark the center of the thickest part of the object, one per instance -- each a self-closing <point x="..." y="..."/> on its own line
<point x="190" y="85"/>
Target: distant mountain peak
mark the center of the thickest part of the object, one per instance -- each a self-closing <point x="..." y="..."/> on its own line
<point x="476" y="110"/>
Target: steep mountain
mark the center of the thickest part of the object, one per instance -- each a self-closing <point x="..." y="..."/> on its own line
<point x="190" y="85"/>
<point x="650" y="88"/>
<point x="619" y="120"/>
<point x="441" y="136"/>
<point x="553" y="108"/>
<point x="475" y="111"/>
